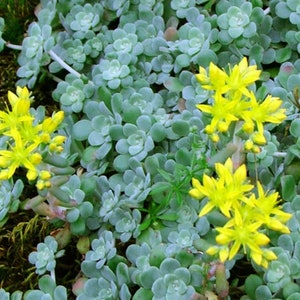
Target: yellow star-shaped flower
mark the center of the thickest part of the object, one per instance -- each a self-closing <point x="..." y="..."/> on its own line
<point x="226" y="192"/>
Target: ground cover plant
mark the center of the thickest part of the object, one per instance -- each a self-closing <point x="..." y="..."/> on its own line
<point x="165" y="162"/>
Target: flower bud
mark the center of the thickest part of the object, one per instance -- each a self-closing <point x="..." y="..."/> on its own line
<point x="212" y="250"/>
<point x="47" y="184"/>
<point x="255" y="149"/>
<point x="248" y="145"/>
<point x="45" y="137"/>
<point x="269" y="255"/>
<point x="32" y="174"/>
<point x="259" y="138"/>
<point x="59" y="139"/>
<point x="222" y="126"/>
<point x="214" y="137"/>
<point x="209" y="129"/>
<point x="35" y="158"/>
<point x="40" y="185"/>
<point x="45" y="175"/>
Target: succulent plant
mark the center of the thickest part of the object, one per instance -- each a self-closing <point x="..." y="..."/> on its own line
<point x="4" y="295"/>
<point x="173" y="282"/>
<point x="76" y="210"/>
<point x="36" y="45"/>
<point x="236" y="22"/>
<point x="83" y="19"/>
<point x="9" y="195"/>
<point x="47" y="290"/>
<point x="109" y="200"/>
<point x="2" y="42"/>
<point x="136" y="143"/>
<point x="113" y="73"/>
<point x="126" y="223"/>
<point x="103" y="249"/>
<point x="72" y="93"/>
<point x="109" y="285"/>
<point x="44" y="257"/>
<point x="288" y="9"/>
<point x="125" y="46"/>
<point x="135" y="136"/>
<point x="181" y="7"/>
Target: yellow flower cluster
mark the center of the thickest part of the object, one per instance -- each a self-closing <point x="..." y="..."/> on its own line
<point x="25" y="137"/>
<point x="233" y="101"/>
<point x="247" y="213"/>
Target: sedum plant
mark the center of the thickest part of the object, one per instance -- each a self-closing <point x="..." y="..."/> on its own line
<point x="235" y="22"/>
<point x="10" y="194"/>
<point x="157" y="105"/>
<point x="47" y="290"/>
<point x="44" y="257"/>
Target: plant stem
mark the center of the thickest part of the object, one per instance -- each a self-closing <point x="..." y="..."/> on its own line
<point x="222" y="285"/>
<point x="63" y="64"/>
<point x="53" y="55"/>
<point x="279" y="154"/>
<point x="13" y="46"/>
<point x="267" y="10"/>
<point x="238" y="157"/>
<point x="52" y="274"/>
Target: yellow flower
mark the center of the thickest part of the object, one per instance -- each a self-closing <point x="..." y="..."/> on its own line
<point x="242" y="231"/>
<point x="268" y="211"/>
<point x="224" y="193"/>
<point x="22" y="94"/>
<point x="45" y="137"/>
<point x="241" y="76"/>
<point x="20" y="154"/>
<point x="203" y="77"/>
<point x="18" y="115"/>
<point x="223" y="126"/>
<point x="35" y="158"/>
<point x="30" y="133"/>
<point x="233" y="101"/>
<point x="51" y="124"/>
<point x="26" y="137"/>
<point x="209" y="129"/>
<point x="195" y="191"/>
<point x="258" y="138"/>
<point x="214" y="250"/>
<point x="221" y="111"/>
<point x="267" y="255"/>
<point x="268" y="111"/>
<point x="223" y="252"/>
<point x="12" y="98"/>
<point x="215" y="81"/>
<point x="47" y="184"/>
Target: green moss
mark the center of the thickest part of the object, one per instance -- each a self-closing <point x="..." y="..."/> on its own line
<point x="18" y="14"/>
<point x="17" y="240"/>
